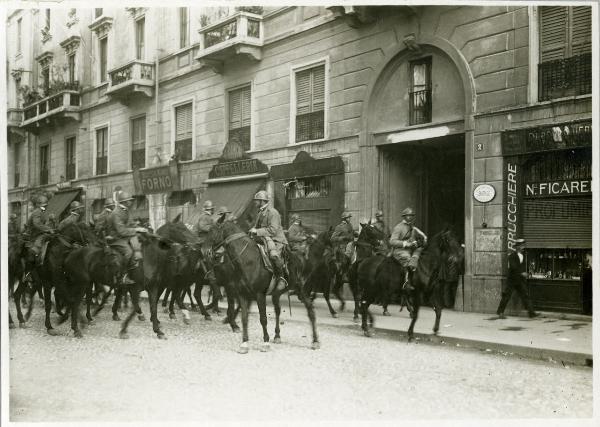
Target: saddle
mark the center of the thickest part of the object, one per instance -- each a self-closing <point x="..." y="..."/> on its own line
<point x="265" y="258"/>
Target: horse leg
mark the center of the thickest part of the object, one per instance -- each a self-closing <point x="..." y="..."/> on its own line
<point x="438" y="315"/>
<point x="47" y="307"/>
<point x="103" y="301"/>
<point x="153" y="302"/>
<point x="165" y="300"/>
<point x="138" y="307"/>
<point x="365" y="314"/>
<point x="310" y="310"/>
<point x="135" y="298"/>
<point x="262" y="311"/>
<point x="201" y="307"/>
<point x="173" y="291"/>
<point x="326" y="296"/>
<point x="414" y="314"/>
<point x="88" y="302"/>
<point x="182" y="306"/>
<point x="17" y="300"/>
<point x="197" y="295"/>
<point x="216" y="296"/>
<point x="75" y="316"/>
<point x="232" y="312"/>
<point x="189" y="294"/>
<point x="277" y="306"/>
<point x="244" y="307"/>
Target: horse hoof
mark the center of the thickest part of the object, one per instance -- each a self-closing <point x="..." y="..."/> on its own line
<point x="91" y="322"/>
<point x="11" y="326"/>
<point x="172" y="316"/>
<point x="161" y="336"/>
<point x="334" y="315"/>
<point x="236" y="330"/>
<point x="27" y="316"/>
<point x="281" y="322"/>
<point x="23" y="325"/>
<point x="355" y="320"/>
<point x="123" y="335"/>
<point x="265" y="347"/>
<point x="141" y="318"/>
<point x="368" y="334"/>
<point x="116" y="317"/>
<point x="186" y="321"/>
<point x="277" y="340"/>
<point x="243" y="349"/>
<point x="195" y="309"/>
<point x="386" y="313"/>
<point x="207" y="317"/>
<point x="78" y="334"/>
<point x="165" y="310"/>
<point x="316" y="345"/>
<point x="53" y="332"/>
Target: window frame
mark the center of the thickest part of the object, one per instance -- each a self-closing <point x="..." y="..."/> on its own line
<point x="72" y="72"/>
<point x="47" y="19"/>
<point x="294" y="69"/>
<point x="228" y="92"/>
<point x="45" y="145"/>
<point x="96" y="128"/>
<point x="187" y="27"/>
<point x="174" y="106"/>
<point x="68" y="138"/>
<point x="19" y="36"/>
<point x="139" y="52"/>
<point x="131" y="141"/>
<point x="100" y="76"/>
<point x="428" y="62"/>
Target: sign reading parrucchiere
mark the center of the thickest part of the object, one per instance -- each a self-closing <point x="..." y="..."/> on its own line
<point x="543" y="138"/>
<point x="162" y="179"/>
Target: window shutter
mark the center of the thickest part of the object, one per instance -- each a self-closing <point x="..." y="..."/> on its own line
<point x="318" y="88"/>
<point x="303" y="97"/>
<point x="553" y="32"/>
<point x="183" y="129"/>
<point x="246" y="106"/>
<point x="581" y="30"/>
<point x="235" y="109"/>
<point x="138" y="133"/>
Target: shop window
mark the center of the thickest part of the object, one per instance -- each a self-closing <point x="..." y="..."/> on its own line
<point x="183" y="132"/>
<point x="240" y="116"/>
<point x="565" y="62"/>
<point x="420" y="91"/>
<point x="556" y="264"/>
<point x="309" y="188"/>
<point x="559" y="165"/>
<point x="70" y="162"/>
<point x="139" y="38"/>
<point x="138" y="142"/>
<point x="184" y="28"/>
<point x="180" y="198"/>
<point x="102" y="151"/>
<point x="310" y="104"/>
<point x="44" y="163"/>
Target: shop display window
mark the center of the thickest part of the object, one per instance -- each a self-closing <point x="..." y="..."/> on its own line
<point x="556" y="264"/>
<point x="307" y="188"/>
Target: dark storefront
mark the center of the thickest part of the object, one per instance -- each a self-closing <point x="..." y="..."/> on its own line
<point x="548" y="202"/>
<point x="312" y="188"/>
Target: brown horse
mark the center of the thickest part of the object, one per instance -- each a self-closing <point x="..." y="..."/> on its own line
<point x="250" y="280"/>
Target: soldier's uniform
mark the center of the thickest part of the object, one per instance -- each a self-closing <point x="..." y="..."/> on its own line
<point x="39" y="227"/>
<point x="13" y="227"/>
<point x="101" y="219"/>
<point x="297" y="236"/>
<point x="206" y="221"/>
<point x="380" y="225"/>
<point x="407" y="242"/>
<point x="73" y="217"/>
<point x="342" y="236"/>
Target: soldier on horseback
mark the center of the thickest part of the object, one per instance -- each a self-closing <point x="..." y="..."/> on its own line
<point x="380" y="224"/>
<point x="101" y="220"/>
<point x="268" y="226"/>
<point x="206" y="220"/>
<point x="407" y="242"/>
<point x="119" y="229"/>
<point x="297" y="236"/>
<point x="13" y="228"/>
<point x="343" y="238"/>
<point x="73" y="217"/>
<point x="39" y="230"/>
<point x="224" y="211"/>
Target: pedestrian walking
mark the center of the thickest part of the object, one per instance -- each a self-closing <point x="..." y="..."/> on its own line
<point x="517" y="275"/>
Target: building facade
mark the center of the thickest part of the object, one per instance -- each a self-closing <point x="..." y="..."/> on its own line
<point x="328" y="109"/>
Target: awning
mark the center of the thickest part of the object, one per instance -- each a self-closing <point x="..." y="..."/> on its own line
<point x="236" y="195"/>
<point x="59" y="202"/>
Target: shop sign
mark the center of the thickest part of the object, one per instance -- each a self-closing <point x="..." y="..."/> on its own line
<point x="559" y="188"/>
<point x="512" y="203"/>
<point x="162" y="179"/>
<point x="484" y="193"/>
<point x="234" y="161"/>
<point x="567" y="135"/>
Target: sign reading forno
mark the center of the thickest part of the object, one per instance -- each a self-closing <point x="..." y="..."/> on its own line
<point x="163" y="179"/>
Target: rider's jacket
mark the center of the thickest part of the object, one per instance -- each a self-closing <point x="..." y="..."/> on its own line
<point x="38" y="223"/>
<point x="118" y="225"/>
<point x="13" y="229"/>
<point x="71" y="219"/>
<point x="268" y="224"/>
<point x="205" y="223"/>
<point x="343" y="233"/>
<point x="297" y="237"/>
<point x="382" y="226"/>
<point x="404" y="234"/>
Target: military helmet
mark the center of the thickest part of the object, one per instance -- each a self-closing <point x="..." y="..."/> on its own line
<point x="42" y="201"/>
<point x="223" y="210"/>
<point x="75" y="205"/>
<point x="346" y="215"/>
<point x="379" y="214"/>
<point x="408" y="211"/>
<point x="261" y="195"/>
<point x="207" y="205"/>
<point x="123" y="196"/>
<point x="109" y="202"/>
<point x="295" y="217"/>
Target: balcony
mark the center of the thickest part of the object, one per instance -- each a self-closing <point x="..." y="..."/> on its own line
<point x="240" y="34"/>
<point x="13" y="122"/>
<point x="53" y="110"/>
<point x="565" y="77"/>
<point x="130" y="80"/>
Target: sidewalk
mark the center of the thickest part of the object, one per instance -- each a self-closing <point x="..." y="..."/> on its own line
<point x="547" y="337"/>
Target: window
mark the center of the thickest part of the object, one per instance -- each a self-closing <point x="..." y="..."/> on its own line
<point x="71" y="64"/>
<point x="139" y="38"/>
<point x="310" y="104"/>
<point x="138" y="142"/>
<point x="44" y="163"/>
<point x="16" y="162"/>
<point x="420" y="91"/>
<point x="310" y="188"/>
<point x="183" y="132"/>
<point x="184" y="29"/>
<point x="240" y="116"/>
<point x="70" y="161"/>
<point x="47" y="26"/>
<point x="46" y="80"/>
<point x="565" y="62"/>
<point x="102" y="151"/>
<point x="180" y="198"/>
<point x="103" y="59"/>
<point x="19" y="33"/>
<point x="97" y="12"/>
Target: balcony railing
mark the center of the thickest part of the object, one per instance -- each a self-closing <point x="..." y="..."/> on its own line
<point x="130" y="79"/>
<point x="420" y="107"/>
<point x="64" y="104"/>
<point x="239" y="34"/>
<point x="565" y="77"/>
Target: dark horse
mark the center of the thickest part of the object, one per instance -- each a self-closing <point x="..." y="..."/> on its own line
<point x="250" y="280"/>
<point x="380" y="277"/>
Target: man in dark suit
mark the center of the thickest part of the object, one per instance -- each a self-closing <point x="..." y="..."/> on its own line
<point x="517" y="280"/>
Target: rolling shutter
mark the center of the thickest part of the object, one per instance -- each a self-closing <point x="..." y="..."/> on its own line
<point x="183" y="122"/>
<point x="553" y="33"/>
<point x="558" y="222"/>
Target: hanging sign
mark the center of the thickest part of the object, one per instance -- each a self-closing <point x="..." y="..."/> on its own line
<point x="484" y="193"/>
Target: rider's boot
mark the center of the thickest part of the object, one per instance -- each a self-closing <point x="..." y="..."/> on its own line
<point x="126" y="280"/>
<point x="407" y="285"/>
<point x="279" y="268"/>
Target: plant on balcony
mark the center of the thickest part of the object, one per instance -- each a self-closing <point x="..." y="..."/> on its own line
<point x="258" y="10"/>
<point x="29" y="95"/>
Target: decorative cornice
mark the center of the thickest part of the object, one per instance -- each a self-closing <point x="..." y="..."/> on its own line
<point x="101" y="26"/>
<point x="45" y="58"/>
<point x="136" y="12"/>
<point x="71" y="44"/>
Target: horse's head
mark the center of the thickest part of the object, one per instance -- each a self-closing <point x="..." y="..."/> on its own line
<point x="369" y="233"/>
<point x="177" y="231"/>
<point x="451" y="252"/>
<point x="79" y="232"/>
<point x="221" y="230"/>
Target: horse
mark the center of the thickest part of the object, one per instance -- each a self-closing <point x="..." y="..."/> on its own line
<point x="16" y="270"/>
<point x="50" y="273"/>
<point x="250" y="280"/>
<point x="380" y="277"/>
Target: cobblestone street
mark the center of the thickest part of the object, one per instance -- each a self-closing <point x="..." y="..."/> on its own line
<point x="197" y="375"/>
